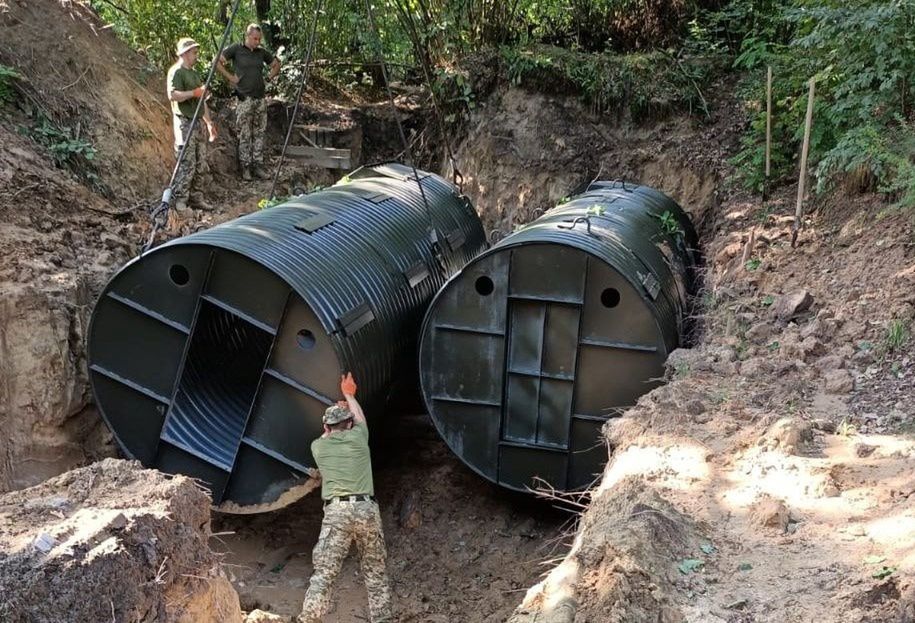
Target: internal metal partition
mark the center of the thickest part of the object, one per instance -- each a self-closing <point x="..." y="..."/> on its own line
<point x="527" y="351"/>
<point x="215" y="355"/>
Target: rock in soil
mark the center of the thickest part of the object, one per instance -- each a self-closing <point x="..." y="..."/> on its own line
<point x="838" y="382"/>
<point x="768" y="512"/>
<point x="787" y="435"/>
<point x="790" y="305"/>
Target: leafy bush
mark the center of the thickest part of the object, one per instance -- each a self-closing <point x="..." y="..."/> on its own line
<point x="861" y="56"/>
<point x="65" y="148"/>
<point x="154" y="27"/>
<point x="645" y="84"/>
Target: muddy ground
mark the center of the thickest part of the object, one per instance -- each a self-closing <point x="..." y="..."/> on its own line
<point x="458" y="548"/>
<point x="770" y="481"/>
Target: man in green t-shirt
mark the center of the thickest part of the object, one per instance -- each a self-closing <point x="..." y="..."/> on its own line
<point x="248" y="60"/>
<point x="185" y="89"/>
<point x="350" y="511"/>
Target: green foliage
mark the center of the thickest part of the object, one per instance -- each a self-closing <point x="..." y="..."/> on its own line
<point x="897" y="335"/>
<point x="67" y="149"/>
<point x="7" y="76"/>
<point x="669" y="223"/>
<point x="267" y="202"/>
<point x="884" y="572"/>
<point x="454" y="91"/>
<point x="613" y="82"/>
<point x="860" y="55"/>
<point x="690" y="565"/>
<point x="154" y="27"/>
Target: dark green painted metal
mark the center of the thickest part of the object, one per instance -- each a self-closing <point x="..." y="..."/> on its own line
<point x="529" y="348"/>
<point x="215" y="355"/>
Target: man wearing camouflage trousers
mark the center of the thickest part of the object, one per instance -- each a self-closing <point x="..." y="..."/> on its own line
<point x="248" y="60"/>
<point x="350" y="511"/>
<point x="185" y="88"/>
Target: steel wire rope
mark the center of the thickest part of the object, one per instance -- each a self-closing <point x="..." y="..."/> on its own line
<point x="319" y="4"/>
<point x="403" y="137"/>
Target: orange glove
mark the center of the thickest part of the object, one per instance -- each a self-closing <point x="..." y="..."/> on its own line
<point x="348" y="385"/>
<point x="199" y="91"/>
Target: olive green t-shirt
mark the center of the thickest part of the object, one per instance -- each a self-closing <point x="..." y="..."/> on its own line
<point x="249" y="67"/>
<point x="181" y="79"/>
<point x="344" y="462"/>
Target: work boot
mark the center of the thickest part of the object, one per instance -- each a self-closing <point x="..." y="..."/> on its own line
<point x="199" y="203"/>
<point x="246" y="174"/>
<point x="182" y="209"/>
<point x="258" y="171"/>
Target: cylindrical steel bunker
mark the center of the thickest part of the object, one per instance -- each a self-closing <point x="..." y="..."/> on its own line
<point x="215" y="355"/>
<point x="535" y="343"/>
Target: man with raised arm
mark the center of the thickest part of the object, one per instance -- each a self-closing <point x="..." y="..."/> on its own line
<point x="350" y="511"/>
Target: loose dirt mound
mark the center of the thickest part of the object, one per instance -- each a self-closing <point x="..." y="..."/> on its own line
<point x="618" y="565"/>
<point x="78" y="75"/>
<point x="111" y="542"/>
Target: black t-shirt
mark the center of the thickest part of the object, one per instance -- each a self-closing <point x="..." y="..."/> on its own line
<point x="249" y="67"/>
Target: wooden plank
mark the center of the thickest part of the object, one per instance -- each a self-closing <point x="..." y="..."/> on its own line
<point x="321" y="156"/>
<point x="327" y="152"/>
<point x="307" y="140"/>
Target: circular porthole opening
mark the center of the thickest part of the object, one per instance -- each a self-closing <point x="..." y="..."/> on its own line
<point x="305" y="339"/>
<point x="610" y="297"/>
<point x="179" y="275"/>
<point x="484" y="285"/>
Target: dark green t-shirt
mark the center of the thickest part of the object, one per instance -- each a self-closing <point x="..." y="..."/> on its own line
<point x="249" y="67"/>
<point x="181" y="79"/>
<point x="344" y="462"/>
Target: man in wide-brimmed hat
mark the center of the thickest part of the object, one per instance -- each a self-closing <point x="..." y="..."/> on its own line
<point x="185" y="90"/>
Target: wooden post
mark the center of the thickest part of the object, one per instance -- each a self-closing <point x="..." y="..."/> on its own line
<point x="768" y="131"/>
<point x="802" y="182"/>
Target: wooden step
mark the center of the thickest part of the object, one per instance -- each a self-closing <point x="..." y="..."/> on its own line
<point x="324" y="157"/>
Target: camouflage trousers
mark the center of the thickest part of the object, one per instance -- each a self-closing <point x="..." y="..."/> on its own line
<point x="195" y="159"/>
<point x="251" y="124"/>
<point x="344" y="523"/>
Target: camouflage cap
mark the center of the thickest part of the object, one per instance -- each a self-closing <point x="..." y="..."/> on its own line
<point x="185" y="44"/>
<point x="336" y="414"/>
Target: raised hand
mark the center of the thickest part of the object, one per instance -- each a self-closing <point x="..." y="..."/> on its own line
<point x="348" y="384"/>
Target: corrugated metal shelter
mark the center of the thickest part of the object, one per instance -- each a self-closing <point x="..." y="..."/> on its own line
<point x="215" y="355"/>
<point x="527" y="351"/>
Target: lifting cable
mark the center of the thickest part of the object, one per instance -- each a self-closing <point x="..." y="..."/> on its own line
<point x="456" y="176"/>
<point x="319" y="4"/>
<point x="159" y="216"/>
<point x="433" y="234"/>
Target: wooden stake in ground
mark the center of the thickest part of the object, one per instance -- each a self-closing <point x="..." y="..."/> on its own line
<point x="768" y="132"/>
<point x="802" y="182"/>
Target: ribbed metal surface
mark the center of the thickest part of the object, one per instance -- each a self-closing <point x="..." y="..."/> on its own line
<point x="215" y="354"/>
<point x="535" y="343"/>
